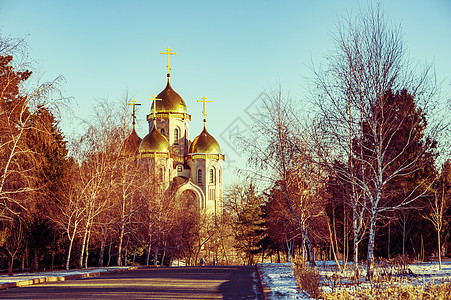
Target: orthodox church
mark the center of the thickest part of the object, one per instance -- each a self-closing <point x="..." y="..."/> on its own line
<point x="185" y="168"/>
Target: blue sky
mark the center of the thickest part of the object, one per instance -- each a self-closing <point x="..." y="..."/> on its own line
<point x="228" y="51"/>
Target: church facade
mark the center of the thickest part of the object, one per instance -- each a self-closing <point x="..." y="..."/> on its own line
<point x="184" y="167"/>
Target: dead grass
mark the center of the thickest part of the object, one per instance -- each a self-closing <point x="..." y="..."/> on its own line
<point x="394" y="280"/>
<point x="307" y="278"/>
<point x="392" y="290"/>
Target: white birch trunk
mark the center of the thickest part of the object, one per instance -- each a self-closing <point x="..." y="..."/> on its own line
<point x="126" y="250"/>
<point x="371" y="236"/>
<point x="71" y="243"/>
<point x="87" y="247"/>
<point x="149" y="250"/>
<point x="119" y="250"/>
<point x="82" y="251"/>
<point x="155" y="257"/>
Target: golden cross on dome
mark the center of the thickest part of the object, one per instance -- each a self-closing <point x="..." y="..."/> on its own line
<point x="133" y="104"/>
<point x="204" y="100"/>
<point x="154" y="110"/>
<point x="169" y="53"/>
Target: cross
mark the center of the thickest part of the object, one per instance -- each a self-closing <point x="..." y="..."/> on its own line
<point x="168" y="53"/>
<point x="204" y="100"/>
<point x="154" y="111"/>
<point x="133" y="114"/>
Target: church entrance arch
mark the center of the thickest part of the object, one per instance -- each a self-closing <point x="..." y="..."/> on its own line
<point x="189" y="199"/>
<point x="192" y="194"/>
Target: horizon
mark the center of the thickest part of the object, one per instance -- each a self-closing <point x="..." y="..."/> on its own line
<point x="229" y="53"/>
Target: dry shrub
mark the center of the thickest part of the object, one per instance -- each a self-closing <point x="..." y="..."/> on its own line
<point x="395" y="266"/>
<point x="307" y="278"/>
<point x="394" y="290"/>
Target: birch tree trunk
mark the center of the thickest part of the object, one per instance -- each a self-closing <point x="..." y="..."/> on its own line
<point x="126" y="251"/>
<point x="356" y="243"/>
<point x="370" y="253"/>
<point x="71" y="242"/>
<point x="87" y="245"/>
<point x="149" y="250"/>
<point x="119" y="250"/>
<point x="102" y="247"/>
<point x="83" y="245"/>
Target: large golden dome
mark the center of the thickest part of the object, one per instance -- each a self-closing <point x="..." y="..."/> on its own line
<point x="170" y="101"/>
<point x="154" y="142"/>
<point x="204" y="143"/>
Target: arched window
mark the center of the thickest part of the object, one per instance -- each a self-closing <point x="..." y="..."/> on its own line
<point x="186" y="138"/>
<point x="162" y="131"/>
<point x="176" y="136"/>
<point x="219" y="175"/>
<point x="199" y="176"/>
<point x="179" y="168"/>
<point x="162" y="174"/>
<point x="212" y="175"/>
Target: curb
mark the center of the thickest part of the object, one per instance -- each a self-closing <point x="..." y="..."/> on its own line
<point x="266" y="290"/>
<point x="60" y="278"/>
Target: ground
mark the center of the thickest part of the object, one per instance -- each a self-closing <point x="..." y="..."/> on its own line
<point x="277" y="279"/>
<point x="281" y="283"/>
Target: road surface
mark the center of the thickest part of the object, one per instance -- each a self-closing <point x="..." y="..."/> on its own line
<point x="218" y="282"/>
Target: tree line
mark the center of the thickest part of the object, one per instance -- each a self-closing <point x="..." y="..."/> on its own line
<point x="365" y="173"/>
<point x="86" y="202"/>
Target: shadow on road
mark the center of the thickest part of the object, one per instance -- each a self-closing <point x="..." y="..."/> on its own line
<point x="218" y="282"/>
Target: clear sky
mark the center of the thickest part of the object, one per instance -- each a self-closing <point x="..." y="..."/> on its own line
<point x="228" y="51"/>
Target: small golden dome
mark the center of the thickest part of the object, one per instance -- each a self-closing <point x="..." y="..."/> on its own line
<point x="204" y="143"/>
<point x="131" y="144"/>
<point x="154" y="142"/>
<point x="170" y="101"/>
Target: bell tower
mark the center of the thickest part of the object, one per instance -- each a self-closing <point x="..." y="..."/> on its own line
<point x="172" y="118"/>
<point x="206" y="161"/>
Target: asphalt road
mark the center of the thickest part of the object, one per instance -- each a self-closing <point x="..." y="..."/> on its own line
<point x="239" y="282"/>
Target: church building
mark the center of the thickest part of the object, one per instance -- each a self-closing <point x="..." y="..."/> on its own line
<point x="183" y="167"/>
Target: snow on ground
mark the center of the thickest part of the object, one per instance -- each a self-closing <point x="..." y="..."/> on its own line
<point x="36" y="275"/>
<point x="416" y="274"/>
<point x="280" y="277"/>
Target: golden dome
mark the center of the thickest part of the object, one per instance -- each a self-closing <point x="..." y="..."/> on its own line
<point x="170" y="101"/>
<point x="131" y="144"/>
<point x="204" y="143"/>
<point x="154" y="142"/>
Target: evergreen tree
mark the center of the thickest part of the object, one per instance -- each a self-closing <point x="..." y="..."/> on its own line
<point x="15" y="158"/>
<point x="32" y="154"/>
<point x="249" y="230"/>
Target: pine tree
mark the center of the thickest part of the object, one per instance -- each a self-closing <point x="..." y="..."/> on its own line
<point x="249" y="230"/>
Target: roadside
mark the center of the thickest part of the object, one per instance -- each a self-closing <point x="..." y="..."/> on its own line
<point x="207" y="282"/>
<point x="276" y="280"/>
<point x="27" y="278"/>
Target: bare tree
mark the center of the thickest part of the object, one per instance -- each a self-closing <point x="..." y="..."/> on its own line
<point x="283" y="153"/>
<point x="70" y="211"/>
<point x="353" y="98"/>
<point x="439" y="204"/>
